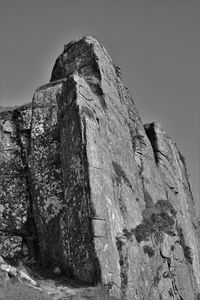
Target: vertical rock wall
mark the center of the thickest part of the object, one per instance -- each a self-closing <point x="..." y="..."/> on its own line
<point x="76" y="224"/>
<point x="99" y="195"/>
<point x="45" y="172"/>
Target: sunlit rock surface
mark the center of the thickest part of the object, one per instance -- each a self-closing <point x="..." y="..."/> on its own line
<point x="88" y="189"/>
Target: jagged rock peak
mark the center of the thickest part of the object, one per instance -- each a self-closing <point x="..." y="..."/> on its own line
<point x="87" y="189"/>
<point x="85" y="57"/>
<point x="86" y="39"/>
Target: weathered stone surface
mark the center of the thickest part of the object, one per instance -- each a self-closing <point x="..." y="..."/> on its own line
<point x="14" y="194"/>
<point x="45" y="172"/>
<point x="173" y="169"/>
<point x="101" y="197"/>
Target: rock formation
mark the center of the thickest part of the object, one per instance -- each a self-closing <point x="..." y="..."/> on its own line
<point x="89" y="190"/>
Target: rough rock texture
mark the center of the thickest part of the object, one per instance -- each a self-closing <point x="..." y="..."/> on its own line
<point x="89" y="190"/>
<point x="14" y="192"/>
<point x="45" y="172"/>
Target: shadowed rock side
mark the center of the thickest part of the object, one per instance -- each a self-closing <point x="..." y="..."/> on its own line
<point x="103" y="198"/>
<point x="45" y="170"/>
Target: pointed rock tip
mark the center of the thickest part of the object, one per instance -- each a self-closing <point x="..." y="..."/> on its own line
<point x="87" y="39"/>
<point x="77" y="54"/>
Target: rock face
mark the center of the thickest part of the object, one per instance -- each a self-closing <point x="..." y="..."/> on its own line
<point x="88" y="189"/>
<point x="14" y="193"/>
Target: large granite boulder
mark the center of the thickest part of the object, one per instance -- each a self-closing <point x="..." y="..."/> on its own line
<point x="100" y="197"/>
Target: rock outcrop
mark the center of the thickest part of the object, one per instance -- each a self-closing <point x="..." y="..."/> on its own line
<point x="89" y="190"/>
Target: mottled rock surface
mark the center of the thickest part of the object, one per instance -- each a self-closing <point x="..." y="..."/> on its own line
<point x="14" y="192"/>
<point x="45" y="172"/>
<point x="87" y="189"/>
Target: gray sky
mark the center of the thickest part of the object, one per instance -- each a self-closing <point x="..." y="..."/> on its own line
<point x="155" y="42"/>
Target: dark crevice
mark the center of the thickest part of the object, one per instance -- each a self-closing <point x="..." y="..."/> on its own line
<point x="151" y="134"/>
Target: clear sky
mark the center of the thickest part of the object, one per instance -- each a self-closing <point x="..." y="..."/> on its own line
<point x="155" y="42"/>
